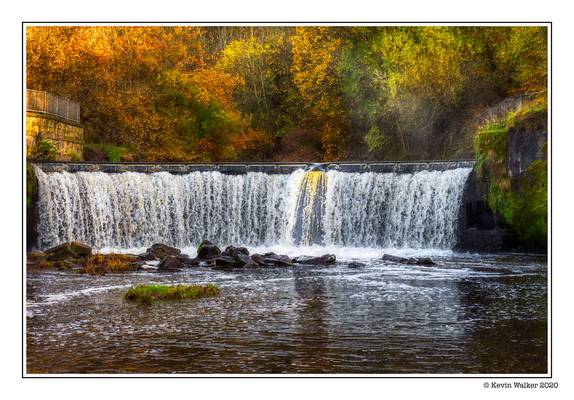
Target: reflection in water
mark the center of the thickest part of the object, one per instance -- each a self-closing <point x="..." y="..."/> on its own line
<point x="465" y="315"/>
<point x="312" y="315"/>
<point x="516" y="332"/>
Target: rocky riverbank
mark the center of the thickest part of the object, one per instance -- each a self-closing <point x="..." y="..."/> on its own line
<point x="80" y="258"/>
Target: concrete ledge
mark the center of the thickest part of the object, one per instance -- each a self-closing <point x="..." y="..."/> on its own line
<point x="243" y="168"/>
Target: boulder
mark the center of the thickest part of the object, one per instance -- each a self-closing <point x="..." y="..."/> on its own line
<point x="169" y="264"/>
<point x="36" y="256"/>
<point x="234" y="257"/>
<point x="421" y="261"/>
<point x="395" y="259"/>
<point x="158" y="251"/>
<point x="271" y="259"/>
<point x="187" y="261"/>
<point x="325" y="259"/>
<point x="208" y="262"/>
<point x="69" y="250"/>
<point x="233" y="251"/>
<point x="410" y="261"/>
<point x="354" y="264"/>
<point x="228" y="262"/>
<point x="207" y="250"/>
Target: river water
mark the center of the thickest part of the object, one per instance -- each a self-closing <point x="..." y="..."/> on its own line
<point x="467" y="314"/>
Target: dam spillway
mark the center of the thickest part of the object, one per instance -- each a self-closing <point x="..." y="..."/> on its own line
<point x="409" y="205"/>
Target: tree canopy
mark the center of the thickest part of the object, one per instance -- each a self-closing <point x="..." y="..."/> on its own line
<point x="187" y="93"/>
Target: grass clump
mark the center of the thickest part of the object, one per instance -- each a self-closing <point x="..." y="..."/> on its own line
<point x="100" y="264"/>
<point x="146" y="294"/>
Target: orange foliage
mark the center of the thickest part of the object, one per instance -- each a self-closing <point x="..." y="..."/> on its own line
<point x="314" y="57"/>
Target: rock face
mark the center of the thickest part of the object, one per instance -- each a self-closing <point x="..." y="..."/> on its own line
<point x="409" y="261"/>
<point x="68" y="250"/>
<point x="207" y="250"/>
<point x="325" y="259"/>
<point x="159" y="251"/>
<point x="170" y="264"/>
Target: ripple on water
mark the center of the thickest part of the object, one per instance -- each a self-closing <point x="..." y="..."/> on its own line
<point x="466" y="314"/>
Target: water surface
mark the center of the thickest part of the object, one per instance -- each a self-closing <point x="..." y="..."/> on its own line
<point x="468" y="314"/>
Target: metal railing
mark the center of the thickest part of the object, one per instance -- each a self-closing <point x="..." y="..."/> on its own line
<point x="51" y="104"/>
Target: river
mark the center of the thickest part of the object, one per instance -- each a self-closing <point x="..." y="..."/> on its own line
<point x="468" y="314"/>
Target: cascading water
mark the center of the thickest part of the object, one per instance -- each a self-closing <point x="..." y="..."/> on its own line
<point x="417" y="210"/>
<point x="310" y="209"/>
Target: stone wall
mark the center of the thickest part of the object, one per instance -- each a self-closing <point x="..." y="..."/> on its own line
<point x="67" y="135"/>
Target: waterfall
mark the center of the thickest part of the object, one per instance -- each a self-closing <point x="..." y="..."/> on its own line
<point x="132" y="209"/>
<point x="310" y="209"/>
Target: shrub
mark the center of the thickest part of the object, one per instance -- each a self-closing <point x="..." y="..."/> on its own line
<point x="44" y="149"/>
<point x="100" y="264"/>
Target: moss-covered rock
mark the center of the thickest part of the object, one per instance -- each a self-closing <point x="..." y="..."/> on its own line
<point x="520" y="199"/>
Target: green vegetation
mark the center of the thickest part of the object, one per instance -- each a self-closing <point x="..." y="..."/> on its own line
<point x="43" y="149"/>
<point x="521" y="202"/>
<point x="146" y="294"/>
<point x="113" y="153"/>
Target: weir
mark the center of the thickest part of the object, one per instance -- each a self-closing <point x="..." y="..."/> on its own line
<point x="267" y="167"/>
<point x="414" y="205"/>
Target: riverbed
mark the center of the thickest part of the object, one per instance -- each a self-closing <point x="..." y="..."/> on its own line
<point x="469" y="313"/>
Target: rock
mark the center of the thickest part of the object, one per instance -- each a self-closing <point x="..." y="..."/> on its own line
<point x="80" y="249"/>
<point x="395" y="259"/>
<point x="234" y="257"/>
<point x="280" y="258"/>
<point x="422" y="261"/>
<point x="271" y="259"/>
<point x="207" y="250"/>
<point x="354" y="264"/>
<point x="169" y="263"/>
<point x="232" y="251"/>
<point x="209" y="262"/>
<point x="229" y="262"/>
<point x="36" y="256"/>
<point x="158" y="251"/>
<point x="410" y="261"/>
<point x="325" y="259"/>
<point x="68" y="250"/>
<point x="187" y="261"/>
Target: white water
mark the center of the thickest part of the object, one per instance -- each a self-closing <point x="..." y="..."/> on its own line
<point x="130" y="210"/>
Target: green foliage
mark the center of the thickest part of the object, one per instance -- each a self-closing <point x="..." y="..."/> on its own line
<point x="146" y="294"/>
<point x="113" y="153"/>
<point x="491" y="147"/>
<point x="44" y="149"/>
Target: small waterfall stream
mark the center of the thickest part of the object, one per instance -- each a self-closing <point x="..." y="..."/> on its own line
<point x="367" y="209"/>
